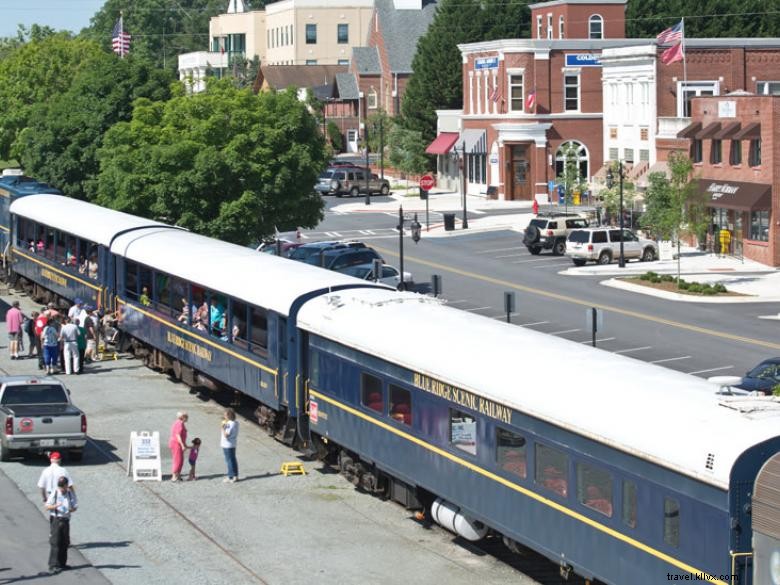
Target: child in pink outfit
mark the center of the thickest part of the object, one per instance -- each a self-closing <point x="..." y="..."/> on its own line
<point x="193" y="458"/>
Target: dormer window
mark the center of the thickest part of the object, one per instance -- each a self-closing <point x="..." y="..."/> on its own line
<point x="596" y="27"/>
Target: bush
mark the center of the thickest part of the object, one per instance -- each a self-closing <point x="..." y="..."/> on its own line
<point x="720" y="288"/>
<point x="708" y="290"/>
<point x="694" y="287"/>
<point x="683" y="285"/>
<point x="335" y="137"/>
<point x="649" y="275"/>
<point x="776" y="390"/>
<point x="667" y="278"/>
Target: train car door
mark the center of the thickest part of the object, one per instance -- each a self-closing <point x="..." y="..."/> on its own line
<point x="283" y="382"/>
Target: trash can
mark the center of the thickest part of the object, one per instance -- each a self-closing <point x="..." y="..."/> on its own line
<point x="449" y="222"/>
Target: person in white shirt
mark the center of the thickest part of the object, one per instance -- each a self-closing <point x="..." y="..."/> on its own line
<point x="49" y="476"/>
<point x="75" y="310"/>
<point x="61" y="504"/>
<point x="228" y="441"/>
<point x="69" y="335"/>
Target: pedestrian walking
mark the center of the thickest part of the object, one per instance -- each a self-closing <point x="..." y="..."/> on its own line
<point x="61" y="504"/>
<point x="69" y="336"/>
<point x="177" y="443"/>
<point x="228" y="441"/>
<point x="193" y="458"/>
<point x="13" y="322"/>
<point x="47" y="483"/>
<point x="51" y="345"/>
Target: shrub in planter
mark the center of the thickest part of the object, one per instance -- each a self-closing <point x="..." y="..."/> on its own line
<point x="683" y="285"/>
<point x="667" y="278"/>
<point x="708" y="290"/>
<point x="720" y="288"/>
<point x="694" y="287"/>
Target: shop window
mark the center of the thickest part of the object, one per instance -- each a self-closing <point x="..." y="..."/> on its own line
<point x="400" y="405"/>
<point x="735" y="155"/>
<point x="511" y="452"/>
<point x="671" y="522"/>
<point x="594" y="488"/>
<point x="371" y="392"/>
<point x="629" y="503"/>
<point x="551" y="469"/>
<point x="754" y="156"/>
<point x="463" y="431"/>
<point x="759" y="226"/>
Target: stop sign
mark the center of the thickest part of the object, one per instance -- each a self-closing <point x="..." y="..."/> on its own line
<point x="427" y="182"/>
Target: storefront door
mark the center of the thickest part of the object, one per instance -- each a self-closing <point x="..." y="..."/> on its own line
<point x="521" y="182"/>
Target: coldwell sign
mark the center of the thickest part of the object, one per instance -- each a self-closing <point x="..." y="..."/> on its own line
<point x="583" y="60"/>
<point x="486" y="63"/>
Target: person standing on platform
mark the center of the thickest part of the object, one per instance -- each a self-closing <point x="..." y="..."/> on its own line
<point x="81" y="343"/>
<point x="13" y="322"/>
<point x="51" y="345"/>
<point x="32" y="340"/>
<point x="177" y="443"/>
<point x="40" y="322"/>
<point x="228" y="442"/>
<point x="61" y="504"/>
<point x="69" y="336"/>
<point x="47" y="483"/>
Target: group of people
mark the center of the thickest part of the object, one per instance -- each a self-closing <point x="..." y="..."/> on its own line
<point x="88" y="266"/>
<point x="208" y="318"/>
<point x="177" y="443"/>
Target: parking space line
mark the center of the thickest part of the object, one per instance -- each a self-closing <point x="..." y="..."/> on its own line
<point x="597" y="340"/>
<point x="532" y="260"/>
<point x="509" y="256"/>
<point x="458" y="302"/>
<point x="558" y="265"/>
<point x="499" y="250"/>
<point x="633" y="349"/>
<point x="504" y="316"/>
<point x="712" y="370"/>
<point x="478" y="309"/>
<point x="674" y="359"/>
<point x="562" y="332"/>
<point x="535" y="323"/>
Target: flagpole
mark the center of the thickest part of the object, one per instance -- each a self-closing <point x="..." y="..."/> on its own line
<point x="685" y="59"/>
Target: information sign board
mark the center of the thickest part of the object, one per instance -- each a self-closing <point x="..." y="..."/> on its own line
<point x="144" y="456"/>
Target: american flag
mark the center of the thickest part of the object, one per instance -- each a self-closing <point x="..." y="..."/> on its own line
<point x="530" y="101"/>
<point x="120" y="40"/>
<point x="495" y="95"/>
<point x="671" y="35"/>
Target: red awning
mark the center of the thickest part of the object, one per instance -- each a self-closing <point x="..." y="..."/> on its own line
<point x="442" y="143"/>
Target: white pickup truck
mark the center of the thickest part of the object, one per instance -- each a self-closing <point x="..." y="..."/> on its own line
<point x="39" y="416"/>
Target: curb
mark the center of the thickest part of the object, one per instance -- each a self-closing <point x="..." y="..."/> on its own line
<point x="670" y="296"/>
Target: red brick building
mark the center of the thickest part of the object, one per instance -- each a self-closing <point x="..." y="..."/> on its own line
<point x="731" y="141"/>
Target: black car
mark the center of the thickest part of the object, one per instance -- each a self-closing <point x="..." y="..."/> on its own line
<point x="763" y="378"/>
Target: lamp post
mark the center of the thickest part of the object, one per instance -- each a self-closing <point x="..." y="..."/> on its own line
<point x="368" y="169"/>
<point x="416" y="231"/>
<point x="610" y="184"/>
<point x="463" y="155"/>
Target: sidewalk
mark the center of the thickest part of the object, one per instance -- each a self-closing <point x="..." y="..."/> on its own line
<point x="759" y="282"/>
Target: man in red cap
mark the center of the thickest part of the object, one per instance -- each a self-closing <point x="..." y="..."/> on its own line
<point x="49" y="476"/>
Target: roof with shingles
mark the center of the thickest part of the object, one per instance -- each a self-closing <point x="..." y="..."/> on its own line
<point x="401" y="29"/>
<point x="346" y="86"/>
<point x="281" y="77"/>
<point x="366" y="60"/>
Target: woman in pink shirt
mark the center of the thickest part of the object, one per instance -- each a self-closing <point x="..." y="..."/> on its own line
<point x="178" y="444"/>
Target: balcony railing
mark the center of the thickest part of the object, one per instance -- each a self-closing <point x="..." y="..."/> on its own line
<point x="669" y="127"/>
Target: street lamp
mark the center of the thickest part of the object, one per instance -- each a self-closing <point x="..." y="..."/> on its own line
<point x="610" y="184"/>
<point x="368" y="169"/>
<point x="416" y="229"/>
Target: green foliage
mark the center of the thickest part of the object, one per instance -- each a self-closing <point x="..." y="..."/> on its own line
<point x="776" y="390"/>
<point x="437" y="82"/>
<point x="373" y="124"/>
<point x="672" y="205"/>
<point x="335" y="137"/>
<point x="60" y="144"/>
<point x="225" y="163"/>
<point x="610" y="196"/>
<point x="570" y="177"/>
<point x="36" y="72"/>
<point x="407" y="150"/>
<point x="691" y="287"/>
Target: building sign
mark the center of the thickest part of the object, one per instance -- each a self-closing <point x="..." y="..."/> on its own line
<point x="462" y="397"/>
<point x="736" y="194"/>
<point x="583" y="60"/>
<point x="727" y="109"/>
<point x="718" y="190"/>
<point x="486" y="63"/>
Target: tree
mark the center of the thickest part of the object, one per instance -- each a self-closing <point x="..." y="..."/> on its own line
<point x="674" y="205"/>
<point x="379" y="126"/>
<point x="59" y="145"/>
<point x="225" y="163"/>
<point x="35" y="72"/>
<point x="437" y="82"/>
<point x="407" y="150"/>
<point x="334" y="135"/>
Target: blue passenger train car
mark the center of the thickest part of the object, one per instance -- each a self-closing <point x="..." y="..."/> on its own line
<point x="14" y="184"/>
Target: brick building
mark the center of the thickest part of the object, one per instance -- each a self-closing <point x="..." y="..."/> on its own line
<point x="731" y="141"/>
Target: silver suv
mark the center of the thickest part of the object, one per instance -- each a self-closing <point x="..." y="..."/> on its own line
<point x="350" y="181"/>
<point x="602" y="245"/>
<point x="548" y="231"/>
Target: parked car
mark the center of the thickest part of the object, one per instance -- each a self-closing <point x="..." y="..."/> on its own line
<point x="338" y="258"/>
<point x="310" y="252"/>
<point x="39" y="416"/>
<point x="273" y="247"/>
<point x="602" y="245"/>
<point x="340" y="181"/>
<point x="548" y="231"/>
<point x="390" y="274"/>
<point x="762" y="378"/>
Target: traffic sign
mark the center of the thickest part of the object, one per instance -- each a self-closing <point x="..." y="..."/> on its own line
<point x="427" y="182"/>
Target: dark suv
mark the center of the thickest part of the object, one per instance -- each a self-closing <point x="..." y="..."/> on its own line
<point x="340" y="181"/>
<point x="549" y="231"/>
<point x="312" y="252"/>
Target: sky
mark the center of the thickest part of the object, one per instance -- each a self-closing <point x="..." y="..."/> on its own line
<point x="70" y="15"/>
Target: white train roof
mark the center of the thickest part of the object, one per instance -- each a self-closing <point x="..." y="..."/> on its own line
<point x="82" y="219"/>
<point x="670" y="418"/>
<point x="261" y="279"/>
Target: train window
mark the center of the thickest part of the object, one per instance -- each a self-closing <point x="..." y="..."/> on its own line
<point x="162" y="288"/>
<point x="314" y="368"/>
<point x="371" y="392"/>
<point x="463" y="431"/>
<point x="400" y="405"/>
<point x="629" y="503"/>
<point x="551" y="469"/>
<point x="671" y="522"/>
<point x="71" y="251"/>
<point x="49" y="240"/>
<point x="147" y="291"/>
<point x="594" y="488"/>
<point x="179" y="303"/>
<point x="259" y="330"/>
<point x="218" y="315"/>
<point x="131" y="280"/>
<point x="510" y="452"/>
<point x="238" y="312"/>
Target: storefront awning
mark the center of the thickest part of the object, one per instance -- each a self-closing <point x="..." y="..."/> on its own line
<point x="750" y="132"/>
<point x="442" y="143"/>
<point x="474" y="139"/>
<point x="689" y="130"/>
<point x="708" y="132"/>
<point x="736" y="195"/>
<point x="728" y="131"/>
